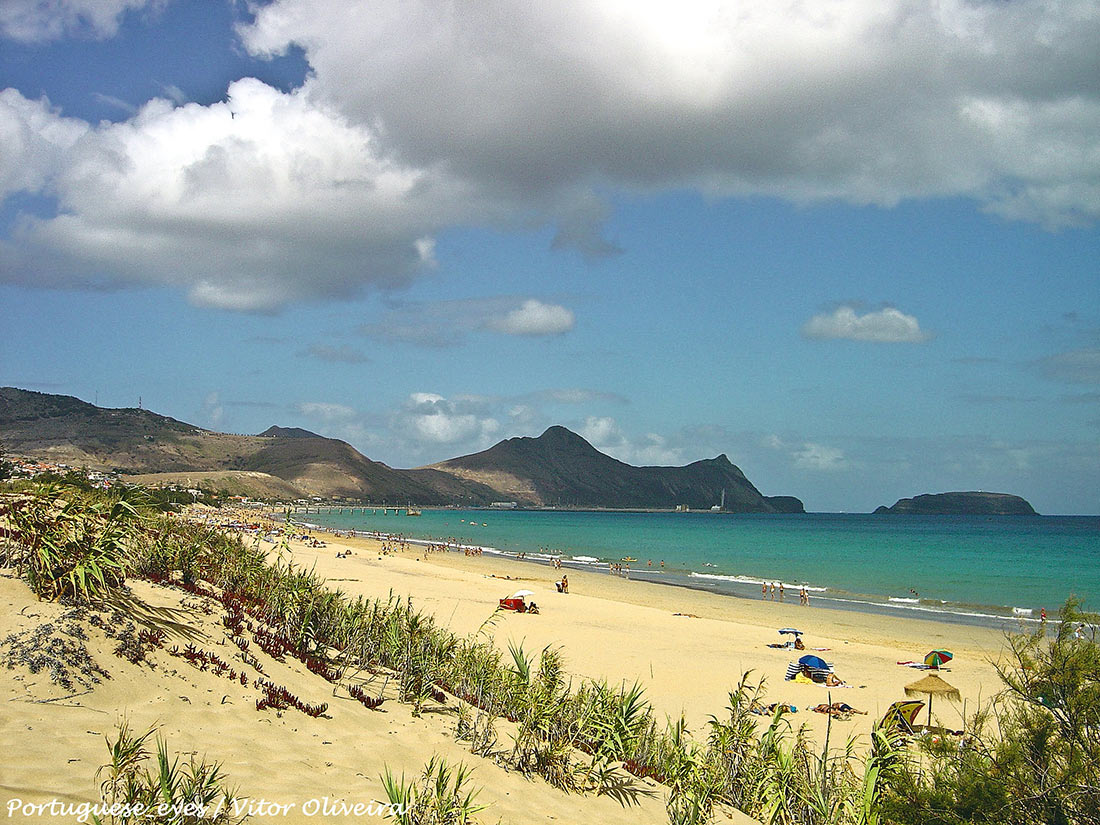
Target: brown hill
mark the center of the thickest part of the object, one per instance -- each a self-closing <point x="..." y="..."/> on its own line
<point x="65" y="429"/>
<point x="559" y="468"/>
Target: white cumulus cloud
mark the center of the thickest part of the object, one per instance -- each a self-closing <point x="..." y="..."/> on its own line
<point x="449" y="323"/>
<point x="428" y="417"/>
<point x="819" y="457"/>
<point x="36" y="141"/>
<point x="212" y="409"/>
<point x="37" y="21"/>
<point x="887" y="325"/>
<point x="870" y="102"/>
<point x="248" y="204"/>
<point x="652" y="449"/>
<point x="417" y="117"/>
<point x="533" y="318"/>
<point x="808" y="455"/>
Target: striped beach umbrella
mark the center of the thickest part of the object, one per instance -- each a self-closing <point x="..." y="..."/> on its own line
<point x="935" y="658"/>
<point x="902" y="714"/>
<point x="815" y="665"/>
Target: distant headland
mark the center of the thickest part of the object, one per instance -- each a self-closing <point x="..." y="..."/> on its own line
<point x="961" y="504"/>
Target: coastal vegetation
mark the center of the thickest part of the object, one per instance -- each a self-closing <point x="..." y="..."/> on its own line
<point x="1032" y="756"/>
<point x="133" y="790"/>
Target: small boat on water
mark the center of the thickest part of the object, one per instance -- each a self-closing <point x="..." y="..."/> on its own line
<point x="411" y="512"/>
<point x="628" y="558"/>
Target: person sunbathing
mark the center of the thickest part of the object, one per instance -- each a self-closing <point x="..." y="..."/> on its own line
<point x="783" y="706"/>
<point x="768" y="710"/>
<point x="838" y="710"/>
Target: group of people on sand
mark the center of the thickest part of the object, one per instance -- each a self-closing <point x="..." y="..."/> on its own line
<point x="618" y="569"/>
<point x="563" y="584"/>
<point x="838" y="710"/>
<point x="768" y="589"/>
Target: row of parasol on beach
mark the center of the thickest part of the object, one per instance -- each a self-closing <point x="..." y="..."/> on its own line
<point x="931" y="685"/>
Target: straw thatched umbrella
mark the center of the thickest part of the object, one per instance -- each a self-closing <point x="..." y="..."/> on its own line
<point x="932" y="685"/>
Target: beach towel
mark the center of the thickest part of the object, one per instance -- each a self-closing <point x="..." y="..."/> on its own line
<point x="922" y="666"/>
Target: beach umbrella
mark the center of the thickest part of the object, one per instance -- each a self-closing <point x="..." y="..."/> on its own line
<point x="905" y="711"/>
<point x="932" y="685"/>
<point x="935" y="658"/>
<point x="791" y="631"/>
<point x="519" y="594"/>
<point x="814" y="664"/>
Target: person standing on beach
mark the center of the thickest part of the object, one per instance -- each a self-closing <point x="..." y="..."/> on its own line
<point x="763" y="590"/>
<point x="781" y="591"/>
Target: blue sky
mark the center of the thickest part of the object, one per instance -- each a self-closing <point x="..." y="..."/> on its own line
<point x="855" y="251"/>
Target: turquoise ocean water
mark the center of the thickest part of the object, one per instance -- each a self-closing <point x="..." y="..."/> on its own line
<point x="973" y="569"/>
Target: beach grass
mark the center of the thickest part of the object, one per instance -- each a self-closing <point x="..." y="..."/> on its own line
<point x="132" y="790"/>
<point x="585" y="736"/>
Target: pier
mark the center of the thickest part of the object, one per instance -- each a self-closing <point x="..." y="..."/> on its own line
<point x="378" y="510"/>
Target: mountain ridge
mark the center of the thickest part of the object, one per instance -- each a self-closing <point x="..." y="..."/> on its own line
<point x="560" y="468"/>
<point x="557" y="468"/>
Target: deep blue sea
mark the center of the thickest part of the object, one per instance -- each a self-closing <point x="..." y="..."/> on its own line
<point x="965" y="568"/>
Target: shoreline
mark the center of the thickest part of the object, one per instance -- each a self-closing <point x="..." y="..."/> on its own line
<point x="687" y="647"/>
<point x="738" y="587"/>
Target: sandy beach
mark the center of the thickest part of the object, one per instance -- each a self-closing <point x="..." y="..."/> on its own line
<point x="687" y="649"/>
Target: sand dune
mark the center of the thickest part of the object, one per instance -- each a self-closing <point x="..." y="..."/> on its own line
<point x="687" y="649"/>
<point x="54" y="739"/>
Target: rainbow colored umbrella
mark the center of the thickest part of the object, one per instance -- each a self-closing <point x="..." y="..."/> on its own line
<point x="935" y="658"/>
